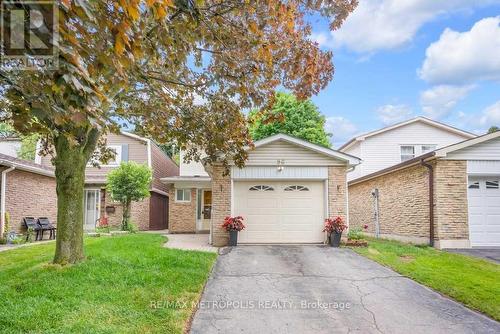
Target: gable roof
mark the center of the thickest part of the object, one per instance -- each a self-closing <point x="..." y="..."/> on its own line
<point x="352" y="160"/>
<point x="29" y="166"/>
<point x="421" y="119"/>
<point x="439" y="153"/>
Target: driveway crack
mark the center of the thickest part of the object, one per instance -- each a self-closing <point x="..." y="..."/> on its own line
<point x="362" y="302"/>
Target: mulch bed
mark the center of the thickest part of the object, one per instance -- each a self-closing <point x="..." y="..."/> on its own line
<point x="356" y="243"/>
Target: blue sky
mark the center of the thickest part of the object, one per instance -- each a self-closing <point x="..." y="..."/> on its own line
<point x="399" y="59"/>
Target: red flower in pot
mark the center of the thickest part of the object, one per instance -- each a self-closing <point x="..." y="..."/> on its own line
<point x="334" y="227"/>
<point x="233" y="225"/>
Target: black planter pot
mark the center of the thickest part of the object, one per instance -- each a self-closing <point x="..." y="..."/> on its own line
<point x="335" y="239"/>
<point x="233" y="238"/>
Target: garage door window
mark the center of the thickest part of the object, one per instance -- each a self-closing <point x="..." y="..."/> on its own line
<point x="261" y="188"/>
<point x="474" y="185"/>
<point x="296" y="188"/>
<point x="491" y="184"/>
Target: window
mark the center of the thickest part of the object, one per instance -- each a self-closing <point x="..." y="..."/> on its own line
<point x="183" y="195"/>
<point x="111" y="162"/>
<point x="261" y="188"/>
<point x="492" y="184"/>
<point x="428" y="148"/>
<point x="407" y="152"/>
<point x="296" y="188"/>
<point x="474" y="185"/>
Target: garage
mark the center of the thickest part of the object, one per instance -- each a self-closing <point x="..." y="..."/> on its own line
<point x="484" y="210"/>
<point x="281" y="212"/>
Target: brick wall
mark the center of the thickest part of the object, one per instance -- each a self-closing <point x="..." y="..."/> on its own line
<point x="450" y="197"/>
<point x="337" y="195"/>
<point x="139" y="213"/>
<point x="221" y="204"/>
<point x="182" y="215"/>
<point x="403" y="204"/>
<point x="30" y="195"/>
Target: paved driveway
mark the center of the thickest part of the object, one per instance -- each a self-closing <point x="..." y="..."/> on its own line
<point x="491" y="254"/>
<point x="314" y="289"/>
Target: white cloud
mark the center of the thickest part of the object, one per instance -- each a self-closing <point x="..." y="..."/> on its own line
<point x="393" y="113"/>
<point x="461" y="57"/>
<point x="491" y="115"/>
<point x="388" y="24"/>
<point x="341" y="128"/>
<point x="439" y="101"/>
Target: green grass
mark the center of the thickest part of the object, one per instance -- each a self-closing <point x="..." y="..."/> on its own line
<point x="110" y="292"/>
<point x="471" y="281"/>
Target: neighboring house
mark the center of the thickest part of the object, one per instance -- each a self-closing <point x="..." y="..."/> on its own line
<point x="455" y="189"/>
<point x="399" y="142"/>
<point x="27" y="190"/>
<point x="149" y="214"/>
<point x="285" y="191"/>
<point x="10" y="146"/>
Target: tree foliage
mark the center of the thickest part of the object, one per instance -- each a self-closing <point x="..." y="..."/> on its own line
<point x="129" y="183"/>
<point x="493" y="129"/>
<point x="178" y="70"/>
<point x="291" y="116"/>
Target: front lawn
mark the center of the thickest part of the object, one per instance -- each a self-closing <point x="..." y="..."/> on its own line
<point x="473" y="282"/>
<point x="111" y="292"/>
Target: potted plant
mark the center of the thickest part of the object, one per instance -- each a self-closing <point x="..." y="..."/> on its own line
<point x="233" y="225"/>
<point x="334" y="228"/>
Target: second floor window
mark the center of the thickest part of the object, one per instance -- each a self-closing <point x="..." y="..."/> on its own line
<point x="113" y="161"/>
<point x="407" y="152"/>
<point x="428" y="148"/>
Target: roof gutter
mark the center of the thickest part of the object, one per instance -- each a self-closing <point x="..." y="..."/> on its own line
<point x="3" y="192"/>
<point x="431" y="200"/>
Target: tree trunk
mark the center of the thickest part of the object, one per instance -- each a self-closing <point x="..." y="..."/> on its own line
<point x="70" y="163"/>
<point x="126" y="215"/>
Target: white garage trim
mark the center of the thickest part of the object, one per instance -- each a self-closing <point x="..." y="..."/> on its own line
<point x="483" y="167"/>
<point x="272" y="173"/>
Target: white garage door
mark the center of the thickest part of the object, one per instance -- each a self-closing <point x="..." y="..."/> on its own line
<point x="484" y="211"/>
<point x="280" y="212"/>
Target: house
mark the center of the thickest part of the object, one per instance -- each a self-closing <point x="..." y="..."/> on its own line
<point x="149" y="214"/>
<point x="449" y="197"/>
<point x="285" y="191"/>
<point x="27" y="189"/>
<point x="403" y="141"/>
<point x="10" y="146"/>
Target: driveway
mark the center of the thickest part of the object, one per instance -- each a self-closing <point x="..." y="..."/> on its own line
<point x="491" y="254"/>
<point x="315" y="289"/>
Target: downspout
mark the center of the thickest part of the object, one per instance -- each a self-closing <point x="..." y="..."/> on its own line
<point x="2" y="202"/>
<point x="431" y="200"/>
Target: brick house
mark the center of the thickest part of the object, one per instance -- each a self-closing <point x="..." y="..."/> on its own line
<point x="285" y="191"/>
<point x="449" y="197"/>
<point x="27" y="190"/>
<point x="152" y="212"/>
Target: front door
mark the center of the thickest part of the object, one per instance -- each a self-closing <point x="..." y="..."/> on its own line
<point x="92" y="208"/>
<point x="204" y="209"/>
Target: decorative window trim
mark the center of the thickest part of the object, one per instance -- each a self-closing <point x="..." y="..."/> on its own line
<point x="296" y="188"/>
<point x="492" y="184"/>
<point x="186" y="195"/>
<point x="261" y="187"/>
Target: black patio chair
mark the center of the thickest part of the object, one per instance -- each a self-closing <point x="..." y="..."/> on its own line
<point x="46" y="225"/>
<point x="30" y="222"/>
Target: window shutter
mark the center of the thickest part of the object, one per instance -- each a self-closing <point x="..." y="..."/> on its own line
<point x="125" y="152"/>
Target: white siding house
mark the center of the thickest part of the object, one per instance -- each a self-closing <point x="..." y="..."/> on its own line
<point x="403" y="141"/>
<point x="10" y="146"/>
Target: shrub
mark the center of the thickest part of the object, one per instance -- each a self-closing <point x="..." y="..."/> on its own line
<point x="355" y="233"/>
<point x="132" y="228"/>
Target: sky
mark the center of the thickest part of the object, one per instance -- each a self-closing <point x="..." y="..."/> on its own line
<point x="398" y="59"/>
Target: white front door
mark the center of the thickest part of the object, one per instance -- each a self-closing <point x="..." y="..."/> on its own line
<point x="280" y="212"/>
<point x="484" y="211"/>
<point x="91" y="208"/>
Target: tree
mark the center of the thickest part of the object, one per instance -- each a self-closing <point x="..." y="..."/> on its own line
<point x="289" y="115"/>
<point x="493" y="129"/>
<point x="129" y="183"/>
<point x="177" y="70"/>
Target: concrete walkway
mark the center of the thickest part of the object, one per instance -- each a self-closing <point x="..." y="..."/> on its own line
<point x="198" y="242"/>
<point x="314" y="289"/>
<point x="8" y="247"/>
